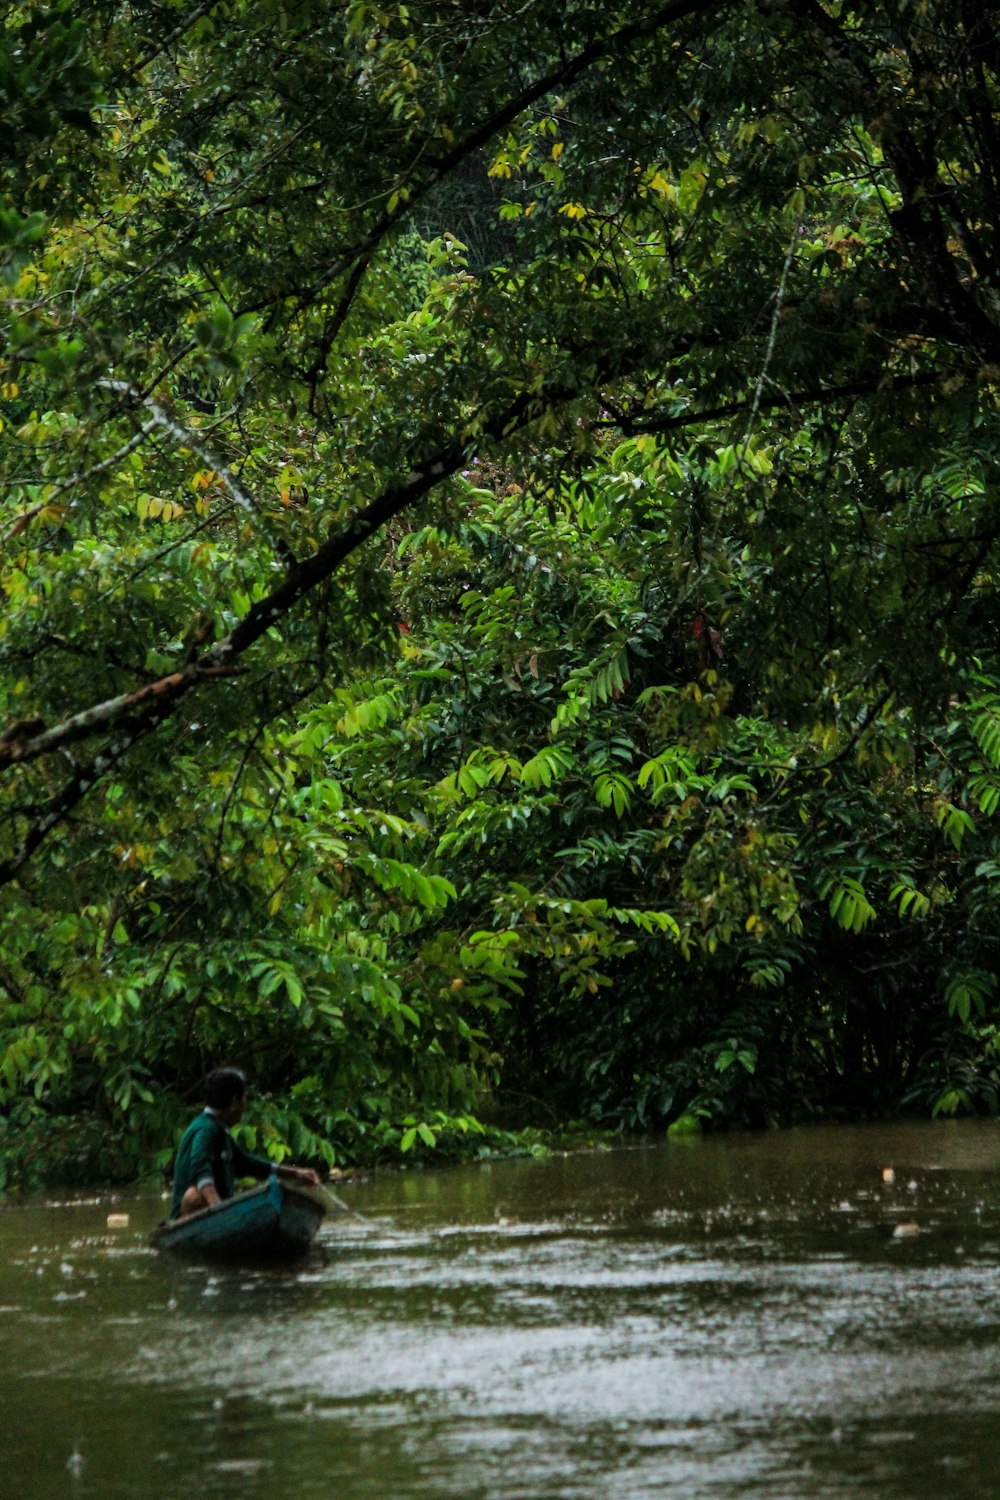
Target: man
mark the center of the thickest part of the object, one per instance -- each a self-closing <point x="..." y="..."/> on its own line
<point x="208" y="1159"/>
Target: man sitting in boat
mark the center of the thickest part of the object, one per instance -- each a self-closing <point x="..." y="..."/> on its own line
<point x="208" y="1159"/>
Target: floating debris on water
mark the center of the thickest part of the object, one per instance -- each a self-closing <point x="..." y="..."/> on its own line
<point x="888" y="1175"/>
<point x="905" y="1231"/>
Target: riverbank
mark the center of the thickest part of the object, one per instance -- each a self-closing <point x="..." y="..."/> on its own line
<point x="73" y="1153"/>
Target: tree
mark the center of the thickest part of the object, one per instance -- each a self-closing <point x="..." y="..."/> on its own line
<point x="752" y="240"/>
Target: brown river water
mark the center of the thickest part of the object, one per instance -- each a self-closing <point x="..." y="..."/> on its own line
<point x="737" y="1316"/>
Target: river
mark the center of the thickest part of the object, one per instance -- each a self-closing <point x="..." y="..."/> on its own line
<point x="735" y="1316"/>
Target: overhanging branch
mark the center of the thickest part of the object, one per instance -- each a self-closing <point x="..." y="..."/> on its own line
<point x="130" y="717"/>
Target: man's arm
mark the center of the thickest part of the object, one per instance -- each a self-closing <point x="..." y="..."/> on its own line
<point x="299" y="1174"/>
<point x="247" y="1165"/>
<point x="202" y="1169"/>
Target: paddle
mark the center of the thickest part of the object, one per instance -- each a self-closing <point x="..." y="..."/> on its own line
<point x="339" y="1203"/>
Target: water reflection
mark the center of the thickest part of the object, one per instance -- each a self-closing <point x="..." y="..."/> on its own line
<point x="728" y="1317"/>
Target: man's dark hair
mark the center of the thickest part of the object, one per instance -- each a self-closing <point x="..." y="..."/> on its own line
<point x="223" y="1086"/>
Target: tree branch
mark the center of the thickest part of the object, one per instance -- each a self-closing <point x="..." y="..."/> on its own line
<point x="132" y="716"/>
<point x="816" y="395"/>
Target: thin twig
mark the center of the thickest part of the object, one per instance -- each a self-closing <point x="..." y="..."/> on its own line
<point x="779" y="302"/>
<point x="185" y="437"/>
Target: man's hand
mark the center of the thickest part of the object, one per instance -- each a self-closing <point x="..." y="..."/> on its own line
<point x="300" y="1174"/>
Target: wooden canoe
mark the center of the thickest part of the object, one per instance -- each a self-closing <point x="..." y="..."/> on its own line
<point x="272" y="1221"/>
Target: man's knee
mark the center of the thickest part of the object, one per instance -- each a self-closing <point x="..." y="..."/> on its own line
<point x="193" y="1200"/>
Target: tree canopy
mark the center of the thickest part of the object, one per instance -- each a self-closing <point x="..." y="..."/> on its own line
<point x="498" y="536"/>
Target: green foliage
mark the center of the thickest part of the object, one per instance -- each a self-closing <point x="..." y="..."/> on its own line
<point x="499" y="570"/>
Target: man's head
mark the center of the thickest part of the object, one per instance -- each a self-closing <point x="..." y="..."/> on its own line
<point x="225" y="1092"/>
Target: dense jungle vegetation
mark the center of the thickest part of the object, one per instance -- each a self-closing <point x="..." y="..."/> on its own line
<point x="499" y="539"/>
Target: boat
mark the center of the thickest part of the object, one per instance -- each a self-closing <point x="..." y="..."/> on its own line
<point x="272" y="1221"/>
